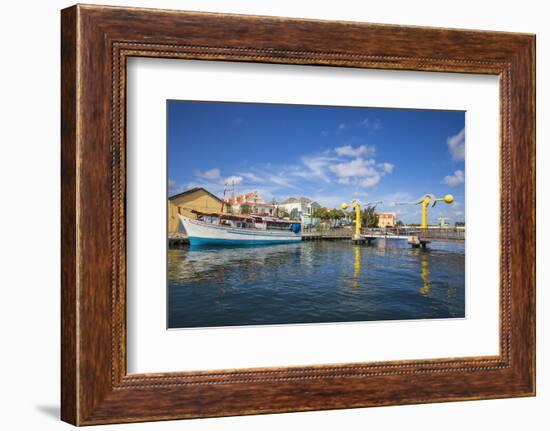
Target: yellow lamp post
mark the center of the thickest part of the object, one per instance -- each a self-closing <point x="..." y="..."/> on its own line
<point x="356" y="205"/>
<point x="428" y="200"/>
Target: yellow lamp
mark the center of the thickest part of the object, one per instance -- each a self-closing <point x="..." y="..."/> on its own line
<point x="344" y="206"/>
<point x="449" y="199"/>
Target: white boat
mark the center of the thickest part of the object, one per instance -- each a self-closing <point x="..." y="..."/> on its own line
<point x="229" y="229"/>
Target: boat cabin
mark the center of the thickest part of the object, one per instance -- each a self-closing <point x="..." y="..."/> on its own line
<point x="252" y="221"/>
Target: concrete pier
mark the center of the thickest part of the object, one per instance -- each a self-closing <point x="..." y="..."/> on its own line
<point x="176" y="240"/>
<point x="418" y="242"/>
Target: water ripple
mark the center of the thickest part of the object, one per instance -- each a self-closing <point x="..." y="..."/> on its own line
<point x="313" y="282"/>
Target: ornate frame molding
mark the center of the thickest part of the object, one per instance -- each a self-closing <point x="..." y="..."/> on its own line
<point x="96" y="41"/>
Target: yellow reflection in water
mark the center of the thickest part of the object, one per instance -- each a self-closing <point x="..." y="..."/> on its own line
<point x="424" y="274"/>
<point x="357" y="267"/>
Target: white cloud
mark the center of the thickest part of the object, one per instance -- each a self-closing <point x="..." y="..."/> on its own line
<point x="392" y="199"/>
<point x="233" y="180"/>
<point x="251" y="176"/>
<point x="341" y="127"/>
<point x="280" y="180"/>
<point x="360" y="172"/>
<point x="456" y="145"/>
<point x="370" y="181"/>
<point x="211" y="174"/>
<point x="174" y="188"/>
<point x="356" y="168"/>
<point x="454" y="180"/>
<point x="317" y="166"/>
<point x="371" y="124"/>
<point x="387" y="167"/>
<point x="348" y="150"/>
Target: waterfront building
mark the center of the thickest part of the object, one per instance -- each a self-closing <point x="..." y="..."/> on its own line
<point x="198" y="199"/>
<point x="244" y="198"/>
<point x="263" y="208"/>
<point x="299" y="207"/>
<point x="386" y="219"/>
<point x="254" y="201"/>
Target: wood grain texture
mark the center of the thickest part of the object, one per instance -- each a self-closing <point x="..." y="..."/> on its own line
<point x="69" y="367"/>
<point x="96" y="41"/>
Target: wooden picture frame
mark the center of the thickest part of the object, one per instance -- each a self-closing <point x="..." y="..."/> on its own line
<point x="95" y="43"/>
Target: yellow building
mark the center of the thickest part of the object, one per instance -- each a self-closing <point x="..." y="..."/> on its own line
<point x="386" y="219"/>
<point x="197" y="199"/>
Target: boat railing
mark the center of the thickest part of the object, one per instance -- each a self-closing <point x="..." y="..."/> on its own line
<point x="288" y="226"/>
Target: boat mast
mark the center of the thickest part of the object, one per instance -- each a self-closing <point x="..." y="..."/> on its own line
<point x="224" y="190"/>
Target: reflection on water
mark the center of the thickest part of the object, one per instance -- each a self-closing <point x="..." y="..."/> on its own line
<point x="313" y="282"/>
<point x="424" y="290"/>
<point x="357" y="266"/>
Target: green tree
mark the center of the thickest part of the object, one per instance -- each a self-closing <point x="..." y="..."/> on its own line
<point x="245" y="209"/>
<point x="399" y="223"/>
<point x="369" y="218"/>
<point x="322" y="213"/>
<point x="281" y="213"/>
<point x="329" y="214"/>
<point x="336" y="214"/>
<point x="339" y="213"/>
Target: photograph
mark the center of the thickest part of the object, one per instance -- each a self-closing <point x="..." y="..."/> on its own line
<point x="281" y="214"/>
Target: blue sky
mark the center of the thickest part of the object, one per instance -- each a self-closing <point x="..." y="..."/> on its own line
<point x="329" y="154"/>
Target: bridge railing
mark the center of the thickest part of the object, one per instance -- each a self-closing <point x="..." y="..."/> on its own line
<point x="441" y="233"/>
<point x="445" y="233"/>
<point x="434" y="233"/>
<point x="328" y="232"/>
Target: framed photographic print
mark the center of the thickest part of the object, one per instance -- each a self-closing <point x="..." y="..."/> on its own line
<point x="269" y="215"/>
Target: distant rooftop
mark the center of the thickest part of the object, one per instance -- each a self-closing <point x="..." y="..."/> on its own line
<point x="195" y="189"/>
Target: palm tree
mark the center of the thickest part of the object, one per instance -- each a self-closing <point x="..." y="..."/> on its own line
<point x="282" y="213"/>
<point x="245" y="209"/>
<point x="369" y="218"/>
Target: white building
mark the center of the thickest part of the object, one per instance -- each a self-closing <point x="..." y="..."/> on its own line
<point x="299" y="207"/>
<point x="254" y="202"/>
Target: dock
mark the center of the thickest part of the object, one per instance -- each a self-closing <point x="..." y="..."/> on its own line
<point x="327" y="234"/>
<point x="415" y="237"/>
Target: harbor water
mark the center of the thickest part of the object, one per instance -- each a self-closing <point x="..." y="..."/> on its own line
<point x="314" y="282"/>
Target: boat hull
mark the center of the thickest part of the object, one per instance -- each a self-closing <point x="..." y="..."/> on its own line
<point x="236" y="242"/>
<point x="205" y="234"/>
